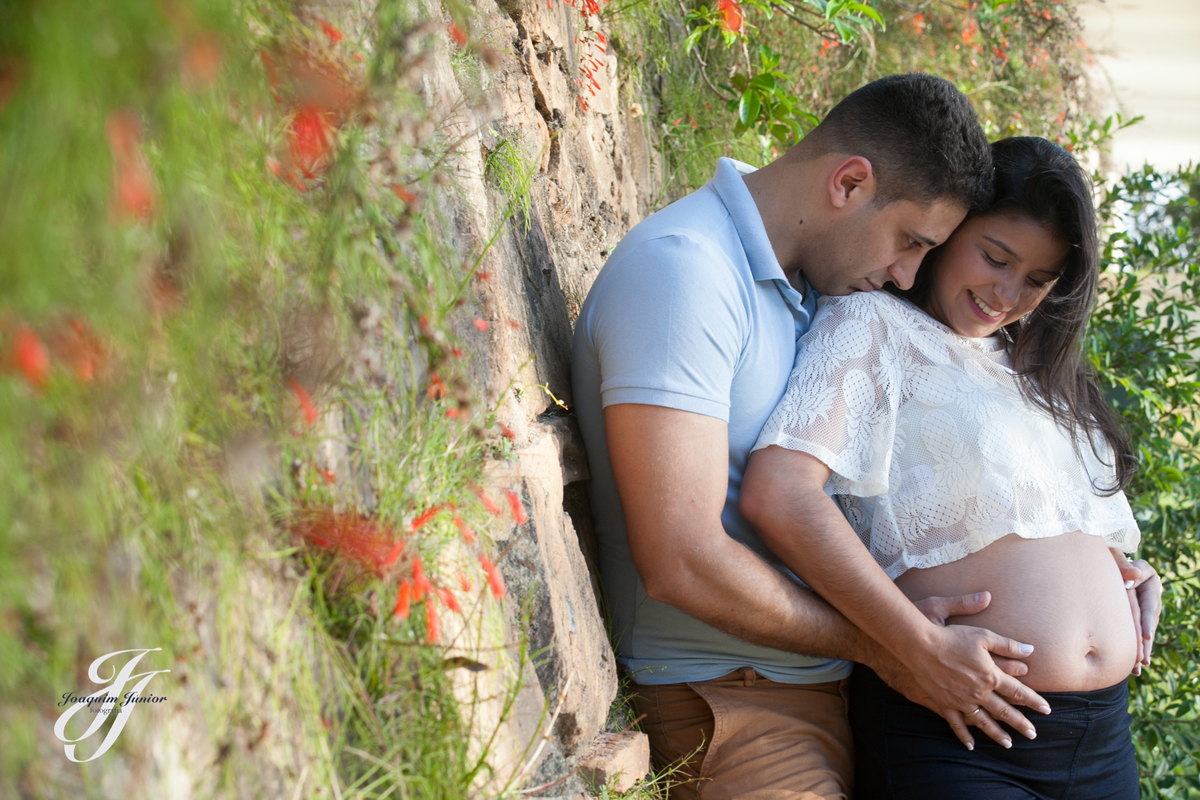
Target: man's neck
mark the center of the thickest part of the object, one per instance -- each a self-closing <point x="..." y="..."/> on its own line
<point x="783" y="192"/>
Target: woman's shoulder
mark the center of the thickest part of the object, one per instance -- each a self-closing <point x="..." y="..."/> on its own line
<point x="880" y="309"/>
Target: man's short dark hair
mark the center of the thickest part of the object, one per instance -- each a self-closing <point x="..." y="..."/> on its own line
<point x="920" y="134"/>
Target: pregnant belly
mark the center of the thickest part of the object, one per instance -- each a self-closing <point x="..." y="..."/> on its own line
<point x="1064" y="595"/>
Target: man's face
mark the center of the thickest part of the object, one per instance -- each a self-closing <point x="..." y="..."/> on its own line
<point x="878" y="243"/>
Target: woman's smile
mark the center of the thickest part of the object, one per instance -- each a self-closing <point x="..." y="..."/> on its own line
<point x="994" y="269"/>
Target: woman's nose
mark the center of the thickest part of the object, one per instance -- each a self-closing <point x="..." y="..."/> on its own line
<point x="1009" y="292"/>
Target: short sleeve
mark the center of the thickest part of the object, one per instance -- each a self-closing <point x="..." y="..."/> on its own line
<point x="843" y="395"/>
<point x="668" y="326"/>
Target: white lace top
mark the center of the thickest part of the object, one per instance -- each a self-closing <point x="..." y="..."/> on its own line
<point x="935" y="454"/>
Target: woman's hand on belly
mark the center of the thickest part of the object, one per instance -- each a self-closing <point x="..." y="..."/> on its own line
<point x="956" y="668"/>
<point x="1065" y="595"/>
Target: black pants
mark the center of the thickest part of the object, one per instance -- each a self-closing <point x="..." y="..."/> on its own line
<point x="1083" y="750"/>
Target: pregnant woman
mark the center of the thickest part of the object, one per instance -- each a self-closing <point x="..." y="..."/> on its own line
<point x="950" y="441"/>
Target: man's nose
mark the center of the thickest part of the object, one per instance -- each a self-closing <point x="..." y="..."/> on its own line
<point x="904" y="271"/>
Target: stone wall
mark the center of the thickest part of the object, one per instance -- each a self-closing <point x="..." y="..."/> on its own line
<point x="593" y="174"/>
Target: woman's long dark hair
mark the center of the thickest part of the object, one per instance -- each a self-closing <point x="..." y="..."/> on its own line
<point x="1038" y="180"/>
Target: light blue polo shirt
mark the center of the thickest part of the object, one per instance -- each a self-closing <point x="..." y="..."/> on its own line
<point x="691" y="311"/>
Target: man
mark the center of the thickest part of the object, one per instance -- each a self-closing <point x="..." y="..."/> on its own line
<point x="681" y="351"/>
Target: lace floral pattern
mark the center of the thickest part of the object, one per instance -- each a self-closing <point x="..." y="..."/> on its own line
<point x="934" y="452"/>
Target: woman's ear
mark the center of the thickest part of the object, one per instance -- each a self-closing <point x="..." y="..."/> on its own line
<point x="852" y="183"/>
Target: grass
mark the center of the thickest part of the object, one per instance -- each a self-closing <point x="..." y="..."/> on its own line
<point x="509" y="169"/>
<point x="224" y="359"/>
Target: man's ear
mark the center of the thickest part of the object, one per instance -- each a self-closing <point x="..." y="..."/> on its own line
<point x="852" y="182"/>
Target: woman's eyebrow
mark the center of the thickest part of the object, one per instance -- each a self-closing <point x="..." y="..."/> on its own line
<point x="1003" y="247"/>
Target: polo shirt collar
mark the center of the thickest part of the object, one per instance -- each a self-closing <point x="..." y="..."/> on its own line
<point x="764" y="266"/>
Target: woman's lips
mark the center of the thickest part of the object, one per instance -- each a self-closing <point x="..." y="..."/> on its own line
<point x="990" y="314"/>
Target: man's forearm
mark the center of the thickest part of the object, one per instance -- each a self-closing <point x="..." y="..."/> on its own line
<point x="732" y="588"/>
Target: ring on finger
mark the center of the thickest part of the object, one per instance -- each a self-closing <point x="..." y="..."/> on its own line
<point x="973" y="713"/>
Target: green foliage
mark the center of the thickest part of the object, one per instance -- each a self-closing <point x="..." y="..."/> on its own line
<point x="209" y="284"/>
<point x="761" y="94"/>
<point x="509" y="169"/>
<point x="1017" y="61"/>
<point x="1145" y="343"/>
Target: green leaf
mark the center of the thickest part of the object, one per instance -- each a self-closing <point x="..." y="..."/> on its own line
<point x="766" y="82"/>
<point x="748" y="109"/>
<point x="867" y="11"/>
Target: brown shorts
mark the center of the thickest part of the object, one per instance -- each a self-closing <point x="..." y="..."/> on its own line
<point x="744" y="736"/>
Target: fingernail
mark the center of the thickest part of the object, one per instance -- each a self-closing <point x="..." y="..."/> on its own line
<point x="970" y="745"/>
<point x="1128" y="584"/>
<point x="1031" y="734"/>
<point x="1026" y="649"/>
<point x="1045" y="709"/>
<point x="979" y="597"/>
<point x="1137" y="669"/>
<point x="1006" y="743"/>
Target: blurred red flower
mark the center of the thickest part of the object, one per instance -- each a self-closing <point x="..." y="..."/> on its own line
<point x="306" y="403"/>
<point x="362" y="540"/>
<point x="731" y="15"/>
<point x="333" y="33"/>
<point x="494" y="579"/>
<point x="30" y="357"/>
<point x="310" y="138"/>
<point x="518" y="507"/>
<point x="403" y="599"/>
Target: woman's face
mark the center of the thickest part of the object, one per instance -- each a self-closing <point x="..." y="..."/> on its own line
<point x="993" y="271"/>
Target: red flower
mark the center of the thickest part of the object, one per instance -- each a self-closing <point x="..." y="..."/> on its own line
<point x="481" y="324"/>
<point x="333" y="33"/>
<point x="467" y="534"/>
<point x="464" y="581"/>
<point x="135" y="191"/>
<point x="404" y="194"/>
<point x="353" y="536"/>
<point x="456" y="34"/>
<point x="31" y="357"/>
<point x="437" y="387"/>
<point x="310" y="137"/>
<point x="488" y="502"/>
<point x="421" y="584"/>
<point x="507" y="433"/>
<point x="133" y="184"/>
<point x="731" y="15"/>
<point x="449" y="600"/>
<point x="429" y="514"/>
<point x="306" y="403"/>
<point x="76" y="345"/>
<point x="391" y="557"/>
<point x="403" y="599"/>
<point x="433" y="628"/>
<point x="495" y="581"/>
<point x="518" y="507"/>
<point x="201" y="61"/>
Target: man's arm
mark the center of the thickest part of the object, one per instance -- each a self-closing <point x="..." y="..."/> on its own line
<point x="672" y="473"/>
<point x="783" y="497"/>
